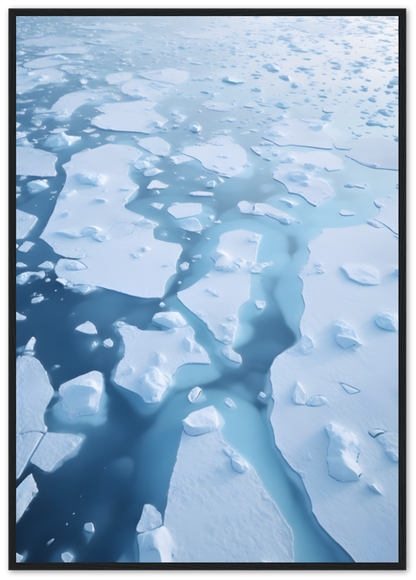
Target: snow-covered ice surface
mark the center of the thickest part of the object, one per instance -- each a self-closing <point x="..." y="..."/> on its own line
<point x="214" y="200"/>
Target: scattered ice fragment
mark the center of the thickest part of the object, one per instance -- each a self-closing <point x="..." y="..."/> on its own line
<point x="155" y="184"/>
<point x="200" y="422"/>
<point x="283" y="105"/>
<point x="81" y="395"/>
<point x="299" y="396"/>
<point x="257" y="268"/>
<point x="37" y="299"/>
<point x="49" y="542"/>
<point x="47" y="265"/>
<point x="89" y="527"/>
<point x="30" y="346"/>
<point x="21" y="265"/>
<point x="87" y="328"/>
<point x="37" y="185"/>
<point x="260" y="304"/>
<point x="33" y="394"/>
<point x="201" y="193"/>
<point x="231" y="354"/>
<point x="387" y="320"/>
<point x="26" y="246"/>
<point x="26" y="444"/>
<point x="191" y="224"/>
<point x="346" y="212"/>
<point x="288" y="202"/>
<point x="230" y="403"/>
<point x="232" y="80"/>
<point x="152" y="172"/>
<point x="184" y="266"/>
<point x="262" y="397"/>
<point x="301" y="180"/>
<point x="304" y="346"/>
<point x="169" y="319"/>
<point x="25" y="492"/>
<point x="53" y="449"/>
<point x="216" y="106"/>
<point x="316" y="401"/>
<point x="271" y="67"/>
<point x="194" y="394"/>
<point x="67" y="557"/>
<point x="26" y="277"/>
<point x="264" y="209"/>
<point x="157" y="205"/>
<point x="345" y="335"/>
<point x="149" y="520"/>
<point x="210" y="184"/>
<point x="20" y="317"/>
<point x="155" y="145"/>
<point x="184" y="210"/>
<point x="362" y="273"/>
<point x="19" y="557"/>
<point x="179" y="159"/>
<point x="343" y="453"/>
<point x="108" y="343"/>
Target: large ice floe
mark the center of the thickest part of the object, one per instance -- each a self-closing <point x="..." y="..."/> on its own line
<point x="219" y="155"/>
<point x="301" y="132"/>
<point x="352" y="363"/>
<point x="136" y="116"/>
<point x="30" y="161"/>
<point x="217" y="297"/>
<point x="151" y="357"/>
<point x="217" y="508"/>
<point x="374" y="152"/>
<point x="81" y="396"/>
<point x="102" y="242"/>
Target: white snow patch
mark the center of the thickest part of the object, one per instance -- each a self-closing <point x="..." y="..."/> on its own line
<point x="301" y="132"/>
<point x="149" y="520"/>
<point x="374" y="152"/>
<point x="194" y="394"/>
<point x="155" y="184"/>
<point x="264" y="209"/>
<point x="37" y="185"/>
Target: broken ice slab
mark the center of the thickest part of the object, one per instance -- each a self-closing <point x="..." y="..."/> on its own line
<point x="155" y="184"/>
<point x="53" y="449"/>
<point x="24" y="223"/>
<point x="264" y="209"/>
<point x="169" y="319"/>
<point x="191" y="224"/>
<point x="37" y="185"/>
<point x="135" y="116"/>
<point x="213" y="526"/>
<point x="220" y="155"/>
<point x="89" y="527"/>
<point x="26" y="277"/>
<point x="33" y="394"/>
<point x="389" y="212"/>
<point x="30" y="161"/>
<point x="155" y="145"/>
<point x="67" y="557"/>
<point x="194" y="394"/>
<point x="87" y="328"/>
<point x="26" y="444"/>
<point x="301" y="132"/>
<point x="151" y="358"/>
<point x="47" y="61"/>
<point x="345" y="335"/>
<point x="25" y="493"/>
<point x="149" y="520"/>
<point x="81" y="395"/>
<point x="184" y="210"/>
<point x="60" y="140"/>
<point x="27" y="80"/>
<point x="68" y="103"/>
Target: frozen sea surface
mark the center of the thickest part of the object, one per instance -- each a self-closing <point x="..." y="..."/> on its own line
<point x="272" y="298"/>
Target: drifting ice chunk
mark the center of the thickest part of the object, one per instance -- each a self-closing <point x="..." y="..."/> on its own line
<point x="155" y="145"/>
<point x="194" y="394"/>
<point x="260" y="304"/>
<point x="346" y="336"/>
<point x="155" y="184"/>
<point x="81" y="396"/>
<point x="184" y="210"/>
<point x="60" y="140"/>
<point x="53" y="449"/>
<point x="151" y="358"/>
<point x="135" y="116"/>
<point x="171" y="76"/>
<point x="67" y="557"/>
<point x="24" y="223"/>
<point x="37" y="185"/>
<point x="19" y="557"/>
<point x="201" y="193"/>
<point x="30" y="161"/>
<point x="87" y="328"/>
<point x="195" y="128"/>
<point x="68" y="103"/>
<point x="27" y="80"/>
<point x="26" y="277"/>
<point x="155" y="546"/>
<point x="149" y="520"/>
<point x="346" y="212"/>
<point x="191" y="225"/>
<point x="231" y="282"/>
<point x="184" y="266"/>
<point x="232" y="80"/>
<point x="201" y="422"/>
<point x="231" y="354"/>
<point x="349" y="389"/>
<point x="220" y="155"/>
<point x="343" y="453"/>
<point x="47" y="61"/>
<point x="362" y="273"/>
<point x="264" y="209"/>
<point x="25" y="492"/>
<point x="169" y="319"/>
<point x="89" y="527"/>
<point x="387" y="320"/>
<point x="108" y="343"/>
<point x="20" y="317"/>
<point x="33" y="393"/>
<point x="230" y="403"/>
<point x="26" y="443"/>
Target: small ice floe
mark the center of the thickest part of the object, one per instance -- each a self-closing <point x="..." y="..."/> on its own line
<point x="135" y="116"/>
<point x="301" y="132"/>
<point x="201" y="193"/>
<point x="271" y="67"/>
<point x="87" y="328"/>
<point x="37" y="299"/>
<point x="216" y="106"/>
<point x="155" y="145"/>
<point x="257" y="268"/>
<point x="230" y="403"/>
<point x="81" y="396"/>
<point x="345" y="335"/>
<point x="152" y="172"/>
<point x="118" y="78"/>
<point x="47" y="61"/>
<point x="232" y="80"/>
<point x="184" y="266"/>
<point x="31" y="161"/>
<point x="231" y="354"/>
<point x="169" y="319"/>
<point x="155" y="184"/>
<point x="26" y="277"/>
<point x="211" y="184"/>
<point x="25" y="493"/>
<point x="108" y="343"/>
<point x="387" y="320"/>
<point x="349" y="389"/>
<point x="362" y="273"/>
<point x="200" y="422"/>
<point x="60" y="140"/>
<point x="53" y="449"/>
<point x="47" y="265"/>
<point x="260" y="304"/>
<point x="288" y="202"/>
<point x="262" y="397"/>
<point x="389" y="440"/>
<point x="346" y="212"/>
<point x="301" y="180"/>
<point x="343" y="453"/>
<point x="194" y="128"/>
<point x="194" y="394"/>
<point x="89" y="527"/>
<point x="20" y="317"/>
<point x="37" y="186"/>
<point x="191" y="224"/>
<point x="19" y="557"/>
<point x="219" y="155"/>
<point x="157" y="205"/>
<point x="184" y="210"/>
<point x="25" y="247"/>
<point x="67" y="557"/>
<point x="179" y="159"/>
<point x="264" y="209"/>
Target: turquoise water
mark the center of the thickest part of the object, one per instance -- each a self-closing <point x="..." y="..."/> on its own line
<point x="128" y="460"/>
